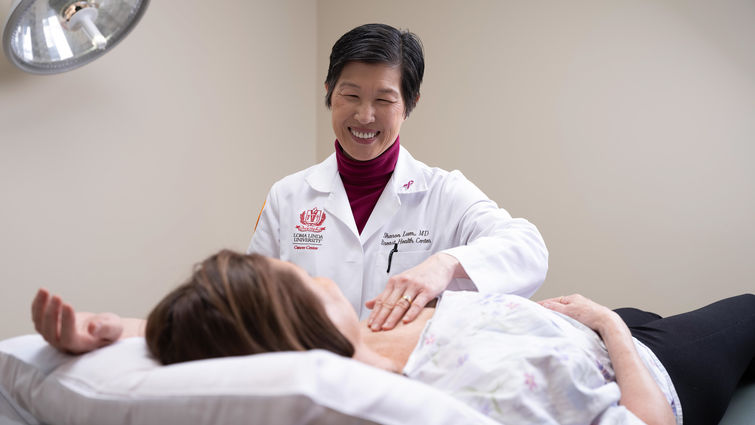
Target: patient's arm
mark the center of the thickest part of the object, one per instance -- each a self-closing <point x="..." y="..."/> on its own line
<point x="639" y="392"/>
<point x="79" y="332"/>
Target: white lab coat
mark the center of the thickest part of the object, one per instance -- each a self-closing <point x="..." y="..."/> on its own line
<point x="307" y="220"/>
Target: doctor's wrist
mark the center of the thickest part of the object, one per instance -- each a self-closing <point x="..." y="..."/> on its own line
<point x="454" y="269"/>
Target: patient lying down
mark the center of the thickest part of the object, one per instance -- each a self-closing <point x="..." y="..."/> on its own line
<point x="564" y="360"/>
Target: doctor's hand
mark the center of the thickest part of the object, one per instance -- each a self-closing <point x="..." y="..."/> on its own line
<point x="407" y="293"/>
<point x="69" y="331"/>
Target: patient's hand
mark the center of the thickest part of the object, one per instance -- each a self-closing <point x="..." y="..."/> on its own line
<point x="69" y="331"/>
<point x="582" y="309"/>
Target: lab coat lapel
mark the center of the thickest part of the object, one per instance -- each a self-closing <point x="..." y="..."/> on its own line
<point x="324" y="178"/>
<point x="338" y="205"/>
<point x="387" y="205"/>
<point x="407" y="178"/>
<point x="409" y="175"/>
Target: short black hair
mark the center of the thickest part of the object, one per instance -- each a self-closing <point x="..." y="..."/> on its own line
<point x="380" y="43"/>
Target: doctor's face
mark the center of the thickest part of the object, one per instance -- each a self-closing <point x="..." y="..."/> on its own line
<point x="367" y="109"/>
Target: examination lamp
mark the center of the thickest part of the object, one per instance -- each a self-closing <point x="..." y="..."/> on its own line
<point x="52" y="36"/>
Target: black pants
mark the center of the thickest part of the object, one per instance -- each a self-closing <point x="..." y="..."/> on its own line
<point x="706" y="352"/>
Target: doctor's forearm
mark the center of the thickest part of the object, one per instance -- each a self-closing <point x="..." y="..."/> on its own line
<point x="497" y="266"/>
<point x="500" y="253"/>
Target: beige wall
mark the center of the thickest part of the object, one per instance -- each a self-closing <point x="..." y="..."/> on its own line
<point x="117" y="177"/>
<point x="624" y="130"/>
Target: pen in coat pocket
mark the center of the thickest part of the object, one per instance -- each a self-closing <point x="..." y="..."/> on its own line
<point x="390" y="257"/>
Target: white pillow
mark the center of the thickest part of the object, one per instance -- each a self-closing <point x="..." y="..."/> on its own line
<point x="122" y="384"/>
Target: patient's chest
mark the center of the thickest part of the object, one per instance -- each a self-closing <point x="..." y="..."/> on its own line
<point x="398" y="343"/>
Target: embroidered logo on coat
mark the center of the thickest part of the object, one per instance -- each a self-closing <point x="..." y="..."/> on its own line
<point x="309" y="236"/>
<point x="312" y="220"/>
<point x="408" y="184"/>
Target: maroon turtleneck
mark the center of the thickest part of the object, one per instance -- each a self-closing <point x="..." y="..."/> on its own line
<point x="364" y="181"/>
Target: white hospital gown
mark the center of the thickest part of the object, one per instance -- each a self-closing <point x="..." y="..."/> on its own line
<point x="520" y="363"/>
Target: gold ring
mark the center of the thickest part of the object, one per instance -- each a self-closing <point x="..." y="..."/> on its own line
<point x="407" y="298"/>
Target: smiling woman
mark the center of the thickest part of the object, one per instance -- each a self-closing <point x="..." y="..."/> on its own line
<point x="392" y="232"/>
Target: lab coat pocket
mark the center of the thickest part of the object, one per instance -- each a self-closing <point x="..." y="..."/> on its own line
<point x="402" y="261"/>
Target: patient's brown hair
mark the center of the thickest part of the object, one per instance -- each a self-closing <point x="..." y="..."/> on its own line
<point x="236" y="304"/>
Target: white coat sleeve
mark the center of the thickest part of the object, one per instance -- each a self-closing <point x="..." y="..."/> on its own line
<point x="498" y="252"/>
<point x="266" y="236"/>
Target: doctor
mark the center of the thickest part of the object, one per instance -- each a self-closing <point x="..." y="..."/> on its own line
<point x="391" y="231"/>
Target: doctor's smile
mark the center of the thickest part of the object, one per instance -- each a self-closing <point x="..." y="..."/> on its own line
<point x="363" y="135"/>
